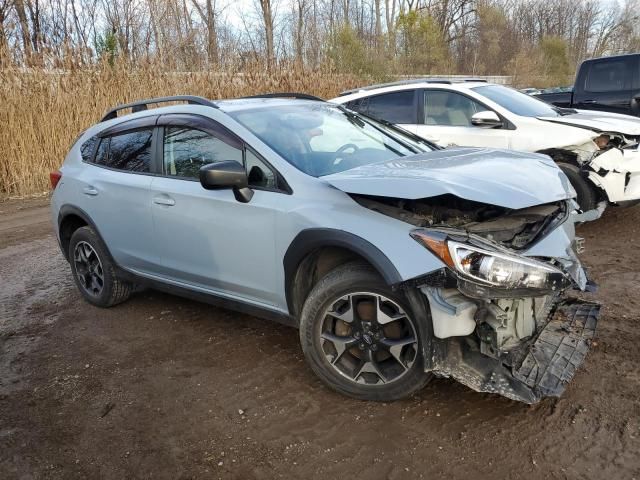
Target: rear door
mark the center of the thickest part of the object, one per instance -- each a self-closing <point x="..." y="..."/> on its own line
<point x="206" y="238"/>
<point x="608" y="85"/>
<point x="446" y="120"/>
<point x="115" y="192"/>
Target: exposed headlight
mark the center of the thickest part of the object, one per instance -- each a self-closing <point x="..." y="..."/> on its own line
<point x="494" y="269"/>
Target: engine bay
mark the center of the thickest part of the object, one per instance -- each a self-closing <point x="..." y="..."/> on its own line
<point x="514" y="229"/>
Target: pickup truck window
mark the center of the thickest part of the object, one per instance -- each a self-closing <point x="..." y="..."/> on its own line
<point x="516" y="102"/>
<point x="608" y="76"/>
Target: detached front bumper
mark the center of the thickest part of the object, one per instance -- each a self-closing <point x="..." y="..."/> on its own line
<point x="541" y="367"/>
<point x="559" y="350"/>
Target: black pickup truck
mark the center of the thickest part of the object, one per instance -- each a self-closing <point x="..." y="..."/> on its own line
<point x="609" y="84"/>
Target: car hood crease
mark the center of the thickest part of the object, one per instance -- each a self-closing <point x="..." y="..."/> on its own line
<point x="497" y="177"/>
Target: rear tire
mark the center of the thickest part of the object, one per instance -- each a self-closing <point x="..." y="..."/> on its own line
<point x="360" y="337"/>
<point x="587" y="197"/>
<point x="94" y="271"/>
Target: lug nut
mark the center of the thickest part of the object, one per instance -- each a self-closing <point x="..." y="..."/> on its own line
<point x="361" y="346"/>
<point x="374" y="347"/>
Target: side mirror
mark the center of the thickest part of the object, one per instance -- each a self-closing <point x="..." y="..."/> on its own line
<point x="227" y="174"/>
<point x="486" y="119"/>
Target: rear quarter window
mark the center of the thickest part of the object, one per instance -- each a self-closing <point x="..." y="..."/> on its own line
<point x="88" y="148"/>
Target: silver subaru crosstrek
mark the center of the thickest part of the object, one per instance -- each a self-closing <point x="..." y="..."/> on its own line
<point x="397" y="260"/>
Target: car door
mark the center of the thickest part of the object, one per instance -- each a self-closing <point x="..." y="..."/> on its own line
<point x="115" y="190"/>
<point x="446" y="120"/>
<point x="608" y="86"/>
<point x="206" y="238"/>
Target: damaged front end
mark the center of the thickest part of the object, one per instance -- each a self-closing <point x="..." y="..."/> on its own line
<point x="611" y="161"/>
<point x="501" y="319"/>
<point x="615" y="168"/>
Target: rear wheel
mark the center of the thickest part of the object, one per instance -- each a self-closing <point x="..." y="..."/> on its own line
<point x="587" y="197"/>
<point x="361" y="338"/>
<point x="93" y="270"/>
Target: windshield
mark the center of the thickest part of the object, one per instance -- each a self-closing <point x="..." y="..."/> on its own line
<point x="321" y="139"/>
<point x="517" y="102"/>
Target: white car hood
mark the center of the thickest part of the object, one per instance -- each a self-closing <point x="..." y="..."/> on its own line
<point x="497" y="177"/>
<point x="599" y="122"/>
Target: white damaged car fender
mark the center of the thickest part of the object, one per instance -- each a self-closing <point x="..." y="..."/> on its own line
<point x="617" y="172"/>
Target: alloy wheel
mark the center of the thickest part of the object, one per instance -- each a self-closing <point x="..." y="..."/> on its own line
<point x="88" y="268"/>
<point x="368" y="338"/>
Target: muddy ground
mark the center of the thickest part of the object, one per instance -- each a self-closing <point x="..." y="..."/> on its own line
<point x="162" y="387"/>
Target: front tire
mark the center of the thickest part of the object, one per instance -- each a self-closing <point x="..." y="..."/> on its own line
<point x="361" y="338"/>
<point x="94" y="271"/>
<point x="587" y="197"/>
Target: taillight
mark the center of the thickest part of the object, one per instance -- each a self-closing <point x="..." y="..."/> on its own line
<point x="55" y="178"/>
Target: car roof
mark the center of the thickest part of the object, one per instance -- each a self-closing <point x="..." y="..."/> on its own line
<point x="231" y="105"/>
<point x="458" y="83"/>
<point x="249" y="103"/>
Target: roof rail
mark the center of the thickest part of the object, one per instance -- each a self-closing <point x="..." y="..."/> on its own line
<point x="301" y="96"/>
<point x="411" y="81"/>
<point x="141" y="105"/>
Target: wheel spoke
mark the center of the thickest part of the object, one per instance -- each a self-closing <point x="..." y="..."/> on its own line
<point x="395" y="346"/>
<point x="382" y="318"/>
<point x="341" y="344"/>
<point x="370" y="365"/>
<point x="347" y="315"/>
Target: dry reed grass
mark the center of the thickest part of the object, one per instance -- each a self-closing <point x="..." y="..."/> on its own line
<point x="42" y="112"/>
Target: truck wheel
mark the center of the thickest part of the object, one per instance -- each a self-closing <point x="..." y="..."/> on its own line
<point x="361" y="338"/>
<point x="586" y="192"/>
<point x="93" y="270"/>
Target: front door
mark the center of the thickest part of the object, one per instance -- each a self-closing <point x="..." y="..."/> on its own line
<point x="447" y="122"/>
<point x="206" y="238"/>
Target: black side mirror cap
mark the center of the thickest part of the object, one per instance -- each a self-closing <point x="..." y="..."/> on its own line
<point x="227" y="174"/>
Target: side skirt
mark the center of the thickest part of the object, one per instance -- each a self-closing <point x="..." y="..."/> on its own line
<point x="210" y="298"/>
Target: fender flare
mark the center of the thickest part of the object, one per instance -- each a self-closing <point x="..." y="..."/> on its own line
<point x="64" y="212"/>
<point x="312" y="239"/>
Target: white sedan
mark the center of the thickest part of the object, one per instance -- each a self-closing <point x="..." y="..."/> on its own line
<point x="597" y="150"/>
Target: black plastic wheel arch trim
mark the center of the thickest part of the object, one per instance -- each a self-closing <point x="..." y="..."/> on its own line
<point x="64" y="212"/>
<point x="313" y="239"/>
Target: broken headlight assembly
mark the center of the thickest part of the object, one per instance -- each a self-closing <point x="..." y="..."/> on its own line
<point x="492" y="269"/>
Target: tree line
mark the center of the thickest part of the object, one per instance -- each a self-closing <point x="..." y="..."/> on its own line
<point x="536" y="41"/>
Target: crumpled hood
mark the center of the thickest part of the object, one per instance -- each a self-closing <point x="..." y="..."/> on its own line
<point x="497" y="177"/>
<point x="599" y="122"/>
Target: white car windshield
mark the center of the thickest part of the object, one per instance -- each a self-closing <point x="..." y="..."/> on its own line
<point x="517" y="102"/>
<point x="321" y="139"/>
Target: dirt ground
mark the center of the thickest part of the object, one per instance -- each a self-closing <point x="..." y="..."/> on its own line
<point x="162" y="387"/>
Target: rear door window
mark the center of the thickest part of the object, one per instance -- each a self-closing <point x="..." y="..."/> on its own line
<point x="608" y="76"/>
<point x="395" y="107"/>
<point x="129" y="151"/>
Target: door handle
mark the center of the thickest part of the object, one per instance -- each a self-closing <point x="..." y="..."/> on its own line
<point x="90" y="191"/>
<point x="166" y="201"/>
<point x="589" y="101"/>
